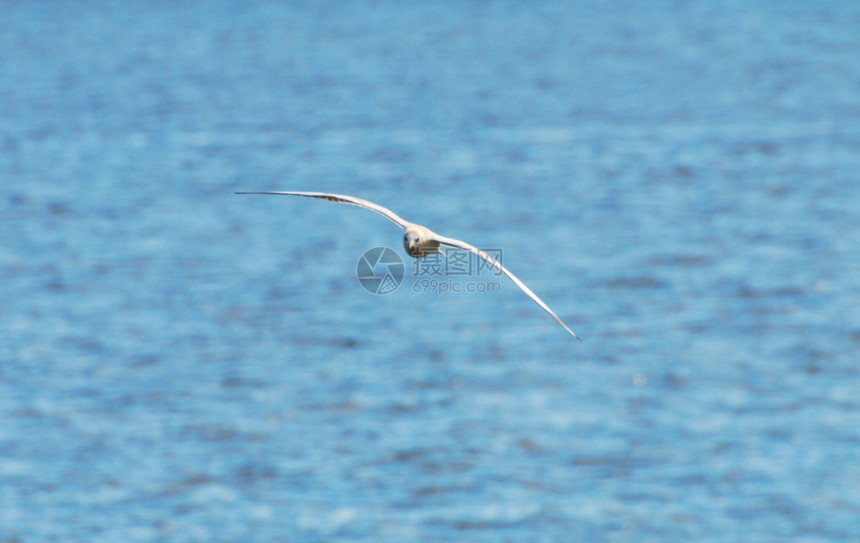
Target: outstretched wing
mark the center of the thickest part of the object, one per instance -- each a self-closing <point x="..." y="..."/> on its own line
<point x="457" y="244"/>
<point x="340" y="198"/>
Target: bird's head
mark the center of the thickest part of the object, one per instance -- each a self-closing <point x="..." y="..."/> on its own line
<point x="418" y="241"/>
<point x="413" y="240"/>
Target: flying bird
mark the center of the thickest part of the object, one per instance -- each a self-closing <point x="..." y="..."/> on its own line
<point x="419" y="241"/>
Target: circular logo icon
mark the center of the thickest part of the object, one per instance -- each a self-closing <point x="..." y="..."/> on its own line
<point x="380" y="270"/>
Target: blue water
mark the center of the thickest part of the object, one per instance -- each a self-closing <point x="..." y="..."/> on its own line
<point x="678" y="181"/>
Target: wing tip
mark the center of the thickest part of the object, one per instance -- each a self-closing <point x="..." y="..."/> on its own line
<point x="568" y="329"/>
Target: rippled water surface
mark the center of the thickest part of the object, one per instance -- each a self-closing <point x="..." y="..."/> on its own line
<point x="679" y="183"/>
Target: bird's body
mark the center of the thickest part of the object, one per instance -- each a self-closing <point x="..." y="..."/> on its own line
<point x="419" y="241"/>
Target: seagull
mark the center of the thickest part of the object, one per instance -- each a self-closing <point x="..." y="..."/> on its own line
<point x="419" y="241"/>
